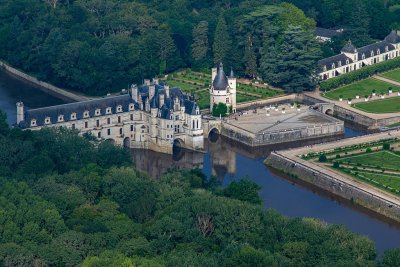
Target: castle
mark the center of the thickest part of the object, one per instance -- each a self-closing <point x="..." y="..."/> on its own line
<point x="352" y="58"/>
<point x="151" y="116"/>
<point x="223" y="89"/>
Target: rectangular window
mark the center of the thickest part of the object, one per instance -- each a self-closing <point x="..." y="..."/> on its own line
<point x="119" y="119"/>
<point x="131" y="117"/>
<point x="73" y="126"/>
<point x="86" y="124"/>
<point x="97" y="123"/>
<point x="109" y="131"/>
<point x="99" y="135"/>
<point x="131" y="128"/>
<point x="108" y="121"/>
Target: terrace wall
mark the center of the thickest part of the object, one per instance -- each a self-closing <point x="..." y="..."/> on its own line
<point x="334" y="185"/>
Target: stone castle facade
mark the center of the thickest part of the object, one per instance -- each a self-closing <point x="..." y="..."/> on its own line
<point x="352" y="58"/>
<point x="151" y="116"/>
<point x="223" y="89"/>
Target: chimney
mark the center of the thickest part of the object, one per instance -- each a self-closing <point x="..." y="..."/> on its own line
<point x="166" y="88"/>
<point x="134" y="92"/>
<point x="162" y="98"/>
<point x="20" y="112"/>
<point x="152" y="91"/>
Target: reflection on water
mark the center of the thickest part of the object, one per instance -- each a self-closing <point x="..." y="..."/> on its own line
<point x="230" y="161"/>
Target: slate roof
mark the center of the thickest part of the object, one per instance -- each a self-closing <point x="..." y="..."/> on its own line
<point x="349" y="48"/>
<point x="220" y="81"/>
<point x="328" y="62"/>
<point x="393" y="38"/>
<point x="381" y="46"/>
<point x="40" y="114"/>
<point x="125" y="101"/>
<point x="327" y="33"/>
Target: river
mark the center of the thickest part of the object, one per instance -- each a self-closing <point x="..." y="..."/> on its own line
<point x="230" y="162"/>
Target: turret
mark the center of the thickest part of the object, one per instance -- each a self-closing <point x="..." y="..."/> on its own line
<point x="152" y="90"/>
<point x="161" y="99"/>
<point x="20" y="112"/>
<point x="166" y="88"/>
<point x="350" y="51"/>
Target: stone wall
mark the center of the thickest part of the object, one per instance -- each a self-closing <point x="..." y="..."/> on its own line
<point x="48" y="88"/>
<point x="333" y="185"/>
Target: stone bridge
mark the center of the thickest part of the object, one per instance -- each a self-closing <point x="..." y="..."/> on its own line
<point x="211" y="124"/>
<point x="326" y="108"/>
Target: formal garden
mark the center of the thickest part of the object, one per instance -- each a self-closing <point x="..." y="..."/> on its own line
<point x="376" y="163"/>
<point x="362" y="89"/>
<point x="393" y="75"/>
<point x="388" y="105"/>
<point x="198" y="84"/>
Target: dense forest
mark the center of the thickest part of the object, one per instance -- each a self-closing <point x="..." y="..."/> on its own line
<point x="99" y="46"/>
<point x="65" y="201"/>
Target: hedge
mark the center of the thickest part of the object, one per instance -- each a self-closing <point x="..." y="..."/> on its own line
<point x="359" y="74"/>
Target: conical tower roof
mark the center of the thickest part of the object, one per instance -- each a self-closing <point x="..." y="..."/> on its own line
<point x="220" y="82"/>
<point x="349" y="48"/>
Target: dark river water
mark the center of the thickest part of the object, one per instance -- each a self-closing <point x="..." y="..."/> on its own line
<point x="229" y="162"/>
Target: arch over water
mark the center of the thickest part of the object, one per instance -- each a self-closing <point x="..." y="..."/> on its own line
<point x="329" y="112"/>
<point x="127" y="142"/>
<point x="213" y="135"/>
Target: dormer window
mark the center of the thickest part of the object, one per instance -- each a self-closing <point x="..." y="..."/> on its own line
<point x="119" y="108"/>
<point x="108" y="110"/>
<point x="47" y="120"/>
<point x="363" y="56"/>
<point x="339" y="63"/>
<point x="378" y="52"/>
<point x="33" y="123"/>
<point x="386" y="48"/>
<point x="324" y="68"/>
<point x="333" y="66"/>
<point x="97" y="112"/>
<point x="372" y="53"/>
<point x="86" y="114"/>
<point x="347" y="62"/>
<point x="60" y="118"/>
<point x="73" y="116"/>
<point x="131" y="107"/>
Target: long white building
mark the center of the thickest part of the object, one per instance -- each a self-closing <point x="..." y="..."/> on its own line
<point x="152" y="116"/>
<point x="352" y="58"/>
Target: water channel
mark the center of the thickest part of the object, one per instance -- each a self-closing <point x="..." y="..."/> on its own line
<point x="229" y="162"/>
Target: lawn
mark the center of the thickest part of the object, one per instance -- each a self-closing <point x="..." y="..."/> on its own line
<point x="386" y="182"/>
<point x="184" y="86"/>
<point x="389" y="105"/>
<point x="383" y="159"/>
<point x="393" y="75"/>
<point x="361" y="88"/>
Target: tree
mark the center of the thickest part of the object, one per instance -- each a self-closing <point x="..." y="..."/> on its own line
<point x="250" y="60"/>
<point x="4" y="129"/>
<point x="296" y="64"/>
<point x="200" y="41"/>
<point x="358" y="23"/>
<point x="222" y="41"/>
<point x="244" y="190"/>
<point x="391" y="258"/>
<point x="322" y="158"/>
<point x="219" y="110"/>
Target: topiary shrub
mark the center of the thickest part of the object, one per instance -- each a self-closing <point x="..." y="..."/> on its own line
<point x="322" y="158"/>
<point x="336" y="165"/>
<point x="386" y="146"/>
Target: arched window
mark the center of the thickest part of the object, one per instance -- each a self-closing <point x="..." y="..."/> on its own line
<point x="73" y="116"/>
<point x="108" y="110"/>
<point x="98" y="112"/>
<point x="60" y="118"/>
<point x="119" y="108"/>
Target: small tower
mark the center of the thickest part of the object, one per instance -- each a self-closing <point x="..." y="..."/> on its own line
<point x="350" y="51"/>
<point x="20" y="112"/>
<point x="134" y="92"/>
<point x="232" y="85"/>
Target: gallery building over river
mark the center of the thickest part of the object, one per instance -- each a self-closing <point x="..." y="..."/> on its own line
<point x="151" y="116"/>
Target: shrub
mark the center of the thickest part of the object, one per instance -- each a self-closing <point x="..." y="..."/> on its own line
<point x="338" y="156"/>
<point x="336" y="165"/>
<point x="369" y="150"/>
<point x="386" y="146"/>
<point x="323" y="158"/>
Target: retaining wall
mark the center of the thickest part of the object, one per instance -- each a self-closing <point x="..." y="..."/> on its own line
<point x="335" y="186"/>
<point x="48" y="88"/>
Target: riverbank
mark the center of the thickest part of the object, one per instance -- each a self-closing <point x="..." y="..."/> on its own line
<point x="46" y="87"/>
<point x="337" y="183"/>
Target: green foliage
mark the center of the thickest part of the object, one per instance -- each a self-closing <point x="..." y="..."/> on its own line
<point x="391" y="258"/>
<point x="244" y="190"/>
<point x="386" y="146"/>
<point x="219" y="109"/>
<point x="323" y="158"/>
<point x="336" y="165"/>
<point x="222" y="41"/>
<point x="200" y="41"/>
